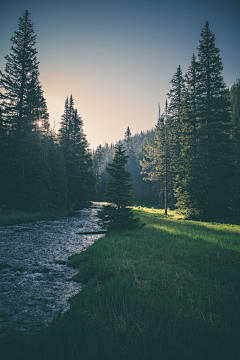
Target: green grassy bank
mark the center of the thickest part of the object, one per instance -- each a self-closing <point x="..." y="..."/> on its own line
<point x="10" y="217"/>
<point x="170" y="290"/>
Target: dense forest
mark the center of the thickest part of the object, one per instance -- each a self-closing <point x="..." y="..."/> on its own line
<point x="39" y="168"/>
<point x="191" y="160"/>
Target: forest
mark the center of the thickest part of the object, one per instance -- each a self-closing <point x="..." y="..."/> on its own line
<point x="189" y="161"/>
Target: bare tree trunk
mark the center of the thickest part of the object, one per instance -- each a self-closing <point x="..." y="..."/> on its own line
<point x="166" y="198"/>
<point x="166" y="165"/>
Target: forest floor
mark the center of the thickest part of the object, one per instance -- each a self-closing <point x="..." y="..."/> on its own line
<point x="168" y="291"/>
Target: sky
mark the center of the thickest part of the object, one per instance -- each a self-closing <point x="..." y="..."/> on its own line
<point x="117" y="57"/>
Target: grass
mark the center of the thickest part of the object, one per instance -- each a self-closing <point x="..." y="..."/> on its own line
<point x="170" y="290"/>
<point x="10" y="217"/>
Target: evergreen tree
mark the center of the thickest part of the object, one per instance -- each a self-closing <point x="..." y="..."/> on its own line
<point x="118" y="215"/>
<point x="157" y="161"/>
<point x="133" y="166"/>
<point x="23" y="102"/>
<point x="214" y="130"/>
<point x="188" y="168"/>
<point x="63" y="133"/>
<point x="127" y="138"/>
<point x="3" y="157"/>
<point x="25" y="119"/>
<point x="174" y="108"/>
<point x="79" y="162"/>
<point x="102" y="156"/>
<point x="57" y="172"/>
<point x="205" y="165"/>
<point x="234" y="96"/>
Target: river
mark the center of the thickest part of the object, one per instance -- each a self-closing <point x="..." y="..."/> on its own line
<point x="35" y="281"/>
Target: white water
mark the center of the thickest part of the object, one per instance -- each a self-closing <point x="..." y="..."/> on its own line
<point x="35" y="283"/>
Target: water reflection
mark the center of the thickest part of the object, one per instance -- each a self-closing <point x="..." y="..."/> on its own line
<point x="35" y="283"/>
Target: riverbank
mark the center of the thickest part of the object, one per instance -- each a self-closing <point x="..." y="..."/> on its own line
<point x="170" y="290"/>
<point x="11" y="217"/>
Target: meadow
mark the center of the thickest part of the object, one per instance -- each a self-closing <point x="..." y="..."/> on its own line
<point x="170" y="290"/>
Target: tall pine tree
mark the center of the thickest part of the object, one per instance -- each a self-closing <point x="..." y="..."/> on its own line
<point x="234" y="96"/>
<point x="174" y="108"/>
<point x="203" y="186"/>
<point x="157" y="158"/>
<point x="214" y="129"/>
<point x="133" y="166"/>
<point x="188" y="168"/>
<point x="79" y="162"/>
<point x="24" y="112"/>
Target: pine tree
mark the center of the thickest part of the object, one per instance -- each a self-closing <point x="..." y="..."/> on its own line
<point x="63" y="133"/>
<point x="23" y="111"/>
<point x="133" y="166"/>
<point x="118" y="215"/>
<point x="127" y="138"/>
<point x="214" y="129"/>
<point x="205" y="165"/>
<point x="234" y="96"/>
<point x="56" y="163"/>
<point x="102" y="156"/>
<point x="83" y="178"/>
<point x="174" y="108"/>
<point x="23" y="102"/>
<point x="188" y="168"/>
<point x="157" y="160"/>
<point x="3" y="158"/>
<point x="79" y="162"/>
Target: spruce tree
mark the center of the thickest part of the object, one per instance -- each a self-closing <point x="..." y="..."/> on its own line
<point x="157" y="161"/>
<point x="24" y="112"/>
<point x="23" y="102"/>
<point x="3" y="158"/>
<point x="174" y="108"/>
<point x="214" y="128"/>
<point x="118" y="215"/>
<point x="57" y="172"/>
<point x="205" y="165"/>
<point x="234" y="96"/>
<point x="188" y="168"/>
<point x="102" y="156"/>
<point x="127" y="138"/>
<point x="79" y="162"/>
<point x="133" y="166"/>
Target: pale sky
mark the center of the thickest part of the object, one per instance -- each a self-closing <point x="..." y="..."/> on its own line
<point x="117" y="57"/>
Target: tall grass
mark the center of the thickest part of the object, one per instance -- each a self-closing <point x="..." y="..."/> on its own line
<point x="10" y="217"/>
<point x="170" y="290"/>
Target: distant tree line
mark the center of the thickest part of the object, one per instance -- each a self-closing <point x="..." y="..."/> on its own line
<point x="39" y="168"/>
<point x="143" y="192"/>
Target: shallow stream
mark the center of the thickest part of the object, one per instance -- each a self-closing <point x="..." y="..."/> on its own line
<point x="35" y="282"/>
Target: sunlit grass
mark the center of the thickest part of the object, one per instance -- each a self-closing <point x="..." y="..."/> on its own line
<point x="169" y="290"/>
<point x="225" y="235"/>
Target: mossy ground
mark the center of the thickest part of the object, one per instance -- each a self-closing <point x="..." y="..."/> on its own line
<point x="169" y="290"/>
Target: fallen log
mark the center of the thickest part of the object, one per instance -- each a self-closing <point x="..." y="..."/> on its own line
<point x="92" y="232"/>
